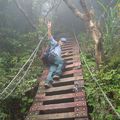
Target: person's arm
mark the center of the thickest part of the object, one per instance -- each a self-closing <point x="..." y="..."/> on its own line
<point x="49" y="30"/>
<point x="50" y="37"/>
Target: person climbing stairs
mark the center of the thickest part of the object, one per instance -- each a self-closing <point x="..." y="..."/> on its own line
<point x="66" y="99"/>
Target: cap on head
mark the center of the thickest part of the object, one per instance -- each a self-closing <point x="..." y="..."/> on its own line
<point x="63" y="39"/>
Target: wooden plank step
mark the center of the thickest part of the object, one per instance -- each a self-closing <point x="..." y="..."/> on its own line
<point x="62" y="88"/>
<point x="72" y="72"/>
<point x="38" y="107"/>
<point x="70" y="79"/>
<point x="71" y="57"/>
<point x="73" y="65"/>
<point x="53" y="116"/>
<point x="70" y="61"/>
<point x="67" y="54"/>
<point x="59" y="97"/>
<point x="69" y="42"/>
<point x="62" y="80"/>
<point x="56" y="116"/>
<point x="63" y="52"/>
<point x="67" y="46"/>
<point x="70" y="48"/>
<point x="63" y="83"/>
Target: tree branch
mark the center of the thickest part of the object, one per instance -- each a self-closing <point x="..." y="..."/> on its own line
<point x="74" y="9"/>
<point x="24" y="13"/>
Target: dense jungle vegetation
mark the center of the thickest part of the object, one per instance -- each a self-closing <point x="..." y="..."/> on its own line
<point x="108" y="75"/>
<point x="18" y="39"/>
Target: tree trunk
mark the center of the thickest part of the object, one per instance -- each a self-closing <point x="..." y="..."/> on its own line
<point x="95" y="32"/>
<point x="92" y="26"/>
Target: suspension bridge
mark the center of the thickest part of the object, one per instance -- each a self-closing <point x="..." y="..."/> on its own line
<point x="66" y="99"/>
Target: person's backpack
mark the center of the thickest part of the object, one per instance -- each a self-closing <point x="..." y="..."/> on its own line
<point x="47" y="57"/>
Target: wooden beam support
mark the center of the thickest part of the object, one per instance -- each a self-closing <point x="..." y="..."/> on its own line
<point x="72" y="72"/>
<point x="37" y="107"/>
<point x="59" y="97"/>
<point x="56" y="116"/>
<point x="62" y="88"/>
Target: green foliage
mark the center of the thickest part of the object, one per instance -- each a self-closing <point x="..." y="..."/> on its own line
<point x="111" y="31"/>
<point x="109" y="74"/>
<point x="108" y="77"/>
<point x="15" y="50"/>
<point x="3" y="116"/>
<point x="24" y="104"/>
<point x="17" y="42"/>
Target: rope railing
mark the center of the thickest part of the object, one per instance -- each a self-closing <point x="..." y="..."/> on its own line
<point x="15" y="82"/>
<point x="95" y="79"/>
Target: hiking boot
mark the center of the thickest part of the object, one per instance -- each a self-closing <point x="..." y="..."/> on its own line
<point x="56" y="77"/>
<point x="47" y="85"/>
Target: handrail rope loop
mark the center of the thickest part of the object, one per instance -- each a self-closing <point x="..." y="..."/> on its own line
<point x="105" y="96"/>
<point x="28" y="67"/>
<point x="21" y="78"/>
<point x="20" y="69"/>
<point x="32" y="55"/>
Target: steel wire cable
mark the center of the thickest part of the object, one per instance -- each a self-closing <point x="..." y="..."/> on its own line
<point x="20" y="70"/>
<point x="20" y="79"/>
<point x="37" y="48"/>
<point x="33" y="55"/>
<point x="95" y="79"/>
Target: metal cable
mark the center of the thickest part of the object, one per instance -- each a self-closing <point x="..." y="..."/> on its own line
<point x="20" y="70"/>
<point x="32" y="55"/>
<point x="20" y="78"/>
<point x="27" y="68"/>
<point x="105" y="96"/>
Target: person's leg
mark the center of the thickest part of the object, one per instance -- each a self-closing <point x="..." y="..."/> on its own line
<point x="52" y="69"/>
<point x="59" y="62"/>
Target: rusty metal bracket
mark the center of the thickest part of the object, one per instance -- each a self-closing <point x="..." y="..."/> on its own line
<point x="78" y="86"/>
<point x="80" y="111"/>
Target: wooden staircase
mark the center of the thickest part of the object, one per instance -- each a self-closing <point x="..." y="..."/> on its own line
<point x="66" y="99"/>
